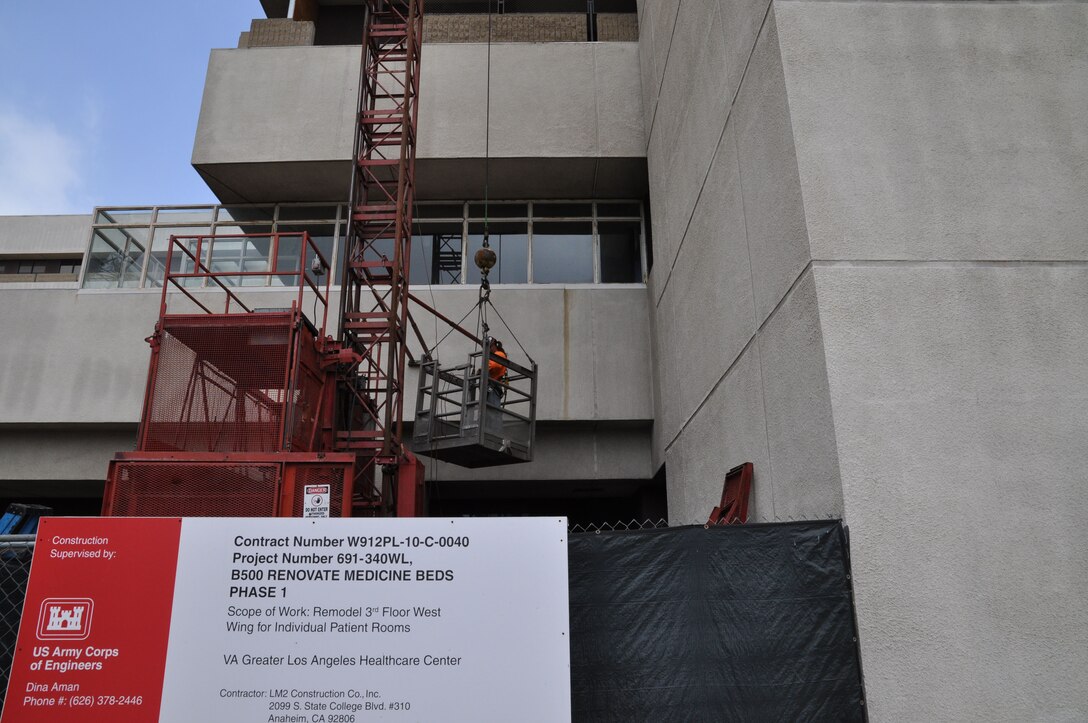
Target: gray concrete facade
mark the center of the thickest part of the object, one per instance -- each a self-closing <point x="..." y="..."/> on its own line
<point x="566" y="122"/>
<point x="890" y="198"/>
<point x="82" y="365"/>
<point x="44" y="236"/>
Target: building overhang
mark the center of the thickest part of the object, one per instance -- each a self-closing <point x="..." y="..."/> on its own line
<point x="436" y="179"/>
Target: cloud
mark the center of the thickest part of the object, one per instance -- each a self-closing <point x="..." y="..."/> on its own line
<point x="40" y="168"/>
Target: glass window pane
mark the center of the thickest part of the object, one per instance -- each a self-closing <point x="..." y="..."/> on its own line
<point x="322" y="234"/>
<point x="256" y="252"/>
<point x="185" y="215"/>
<point x="230" y="244"/>
<point x="562" y="210"/>
<point x="26" y="267"/>
<point x="436" y="254"/>
<point x="182" y="263"/>
<point x="288" y="258"/>
<point x="621" y="262"/>
<point x="230" y="229"/>
<point x="160" y="244"/>
<point x="630" y="210"/>
<point x="123" y="215"/>
<point x="307" y="213"/>
<point x="439" y="210"/>
<point x="116" y="258"/>
<point x="562" y="252"/>
<point x="341" y="253"/>
<point x="248" y="254"/>
<point x="499" y="210"/>
<point x="246" y="214"/>
<point x="510" y="242"/>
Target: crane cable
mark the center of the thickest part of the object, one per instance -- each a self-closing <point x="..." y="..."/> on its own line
<point x="487" y="129"/>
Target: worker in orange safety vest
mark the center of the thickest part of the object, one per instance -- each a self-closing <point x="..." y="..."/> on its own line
<point x="496" y="371"/>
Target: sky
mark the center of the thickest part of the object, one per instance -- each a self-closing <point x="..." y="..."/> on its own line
<point x="99" y="100"/>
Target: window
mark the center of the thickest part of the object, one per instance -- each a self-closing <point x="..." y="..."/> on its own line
<point x="116" y="257"/>
<point x="160" y="245"/>
<point x="322" y="234"/>
<point x="39" y="269"/>
<point x="124" y="216"/>
<point x="437" y="254"/>
<point x="510" y="242"/>
<point x="562" y="252"/>
<point x="621" y="257"/>
<point x="540" y="242"/>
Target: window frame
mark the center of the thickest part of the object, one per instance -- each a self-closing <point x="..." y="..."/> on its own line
<point x="152" y="217"/>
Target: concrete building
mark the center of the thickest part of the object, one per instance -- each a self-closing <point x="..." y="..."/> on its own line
<point x="846" y="241"/>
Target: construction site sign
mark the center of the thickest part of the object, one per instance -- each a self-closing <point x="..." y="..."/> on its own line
<point x="290" y="620"/>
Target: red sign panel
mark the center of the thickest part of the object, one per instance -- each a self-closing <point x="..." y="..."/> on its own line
<point x="96" y="621"/>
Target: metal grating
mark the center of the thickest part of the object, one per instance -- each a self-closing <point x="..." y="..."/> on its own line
<point x="304" y="410"/>
<point x="218" y="384"/>
<point x="192" y="489"/>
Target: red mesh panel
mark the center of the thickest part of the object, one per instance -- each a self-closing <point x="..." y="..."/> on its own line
<point x="319" y="475"/>
<point x="192" y="489"/>
<point x="219" y="384"/>
<point x="306" y="397"/>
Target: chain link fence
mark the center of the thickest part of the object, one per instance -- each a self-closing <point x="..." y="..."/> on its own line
<point x="660" y="523"/>
<point x="16" y="552"/>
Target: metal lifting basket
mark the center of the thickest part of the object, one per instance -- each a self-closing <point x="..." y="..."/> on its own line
<point x="458" y="421"/>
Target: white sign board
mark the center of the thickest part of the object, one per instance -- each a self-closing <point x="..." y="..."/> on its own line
<point x="136" y="620"/>
<point x="340" y="621"/>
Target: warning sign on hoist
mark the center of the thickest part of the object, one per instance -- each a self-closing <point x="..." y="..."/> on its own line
<point x="316" y="501"/>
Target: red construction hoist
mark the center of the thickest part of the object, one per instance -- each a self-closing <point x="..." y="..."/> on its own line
<point x="374" y="287"/>
<point x="259" y="412"/>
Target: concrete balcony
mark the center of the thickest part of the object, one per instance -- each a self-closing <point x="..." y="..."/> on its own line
<point x="565" y="122"/>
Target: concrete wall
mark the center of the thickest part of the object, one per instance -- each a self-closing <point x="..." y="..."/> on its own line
<point x="277" y="123"/>
<point x="943" y="162"/>
<point x="959" y="401"/>
<point x="46" y="459"/>
<point x="81" y="356"/>
<point x="41" y="236"/>
<point x="883" y="255"/>
<point x="78" y="362"/>
<point x="739" y="357"/>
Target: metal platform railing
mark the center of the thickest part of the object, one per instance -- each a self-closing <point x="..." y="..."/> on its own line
<point x="233" y="261"/>
<point x="466" y="418"/>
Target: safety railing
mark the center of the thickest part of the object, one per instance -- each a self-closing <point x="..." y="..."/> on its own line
<point x="466" y="417"/>
<point x="234" y="261"/>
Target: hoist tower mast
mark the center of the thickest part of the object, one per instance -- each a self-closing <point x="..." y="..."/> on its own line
<point x="374" y="317"/>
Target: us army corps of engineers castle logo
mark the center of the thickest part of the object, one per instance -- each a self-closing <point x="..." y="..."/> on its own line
<point x="65" y="618"/>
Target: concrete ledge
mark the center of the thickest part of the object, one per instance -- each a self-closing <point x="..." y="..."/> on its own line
<point x="258" y="138"/>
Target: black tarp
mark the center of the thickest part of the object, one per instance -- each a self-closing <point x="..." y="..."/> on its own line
<point x="729" y="623"/>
